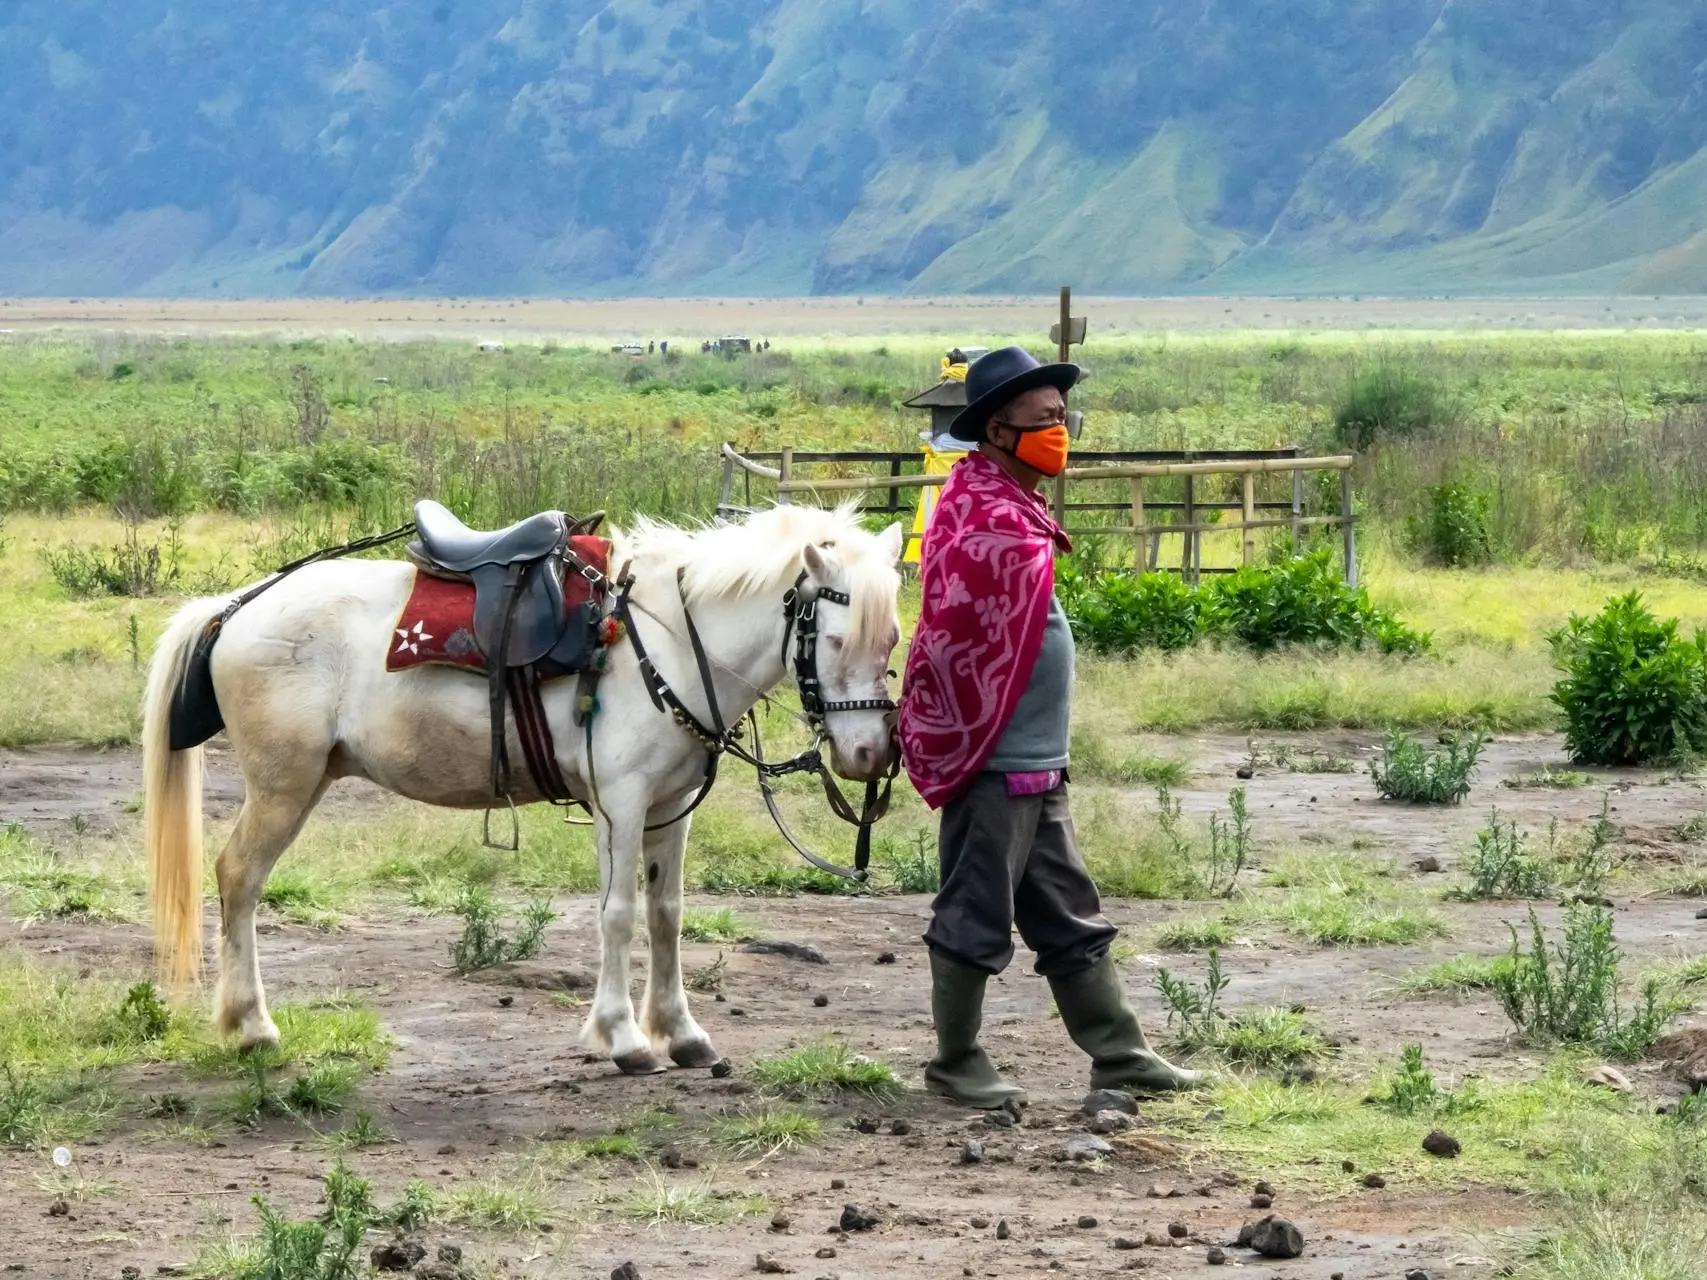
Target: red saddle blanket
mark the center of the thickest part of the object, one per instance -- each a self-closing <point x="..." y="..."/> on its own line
<point x="437" y="622"/>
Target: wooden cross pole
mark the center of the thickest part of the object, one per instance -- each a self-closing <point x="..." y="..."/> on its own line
<point x="1065" y="333"/>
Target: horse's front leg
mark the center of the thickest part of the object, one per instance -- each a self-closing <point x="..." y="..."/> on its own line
<point x="665" y="1008"/>
<point x="611" y="1026"/>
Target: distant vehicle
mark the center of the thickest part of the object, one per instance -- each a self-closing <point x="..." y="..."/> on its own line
<point x="731" y="346"/>
<point x="628" y="349"/>
<point x="491" y="344"/>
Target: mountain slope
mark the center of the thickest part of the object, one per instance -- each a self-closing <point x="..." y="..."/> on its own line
<point x="679" y="146"/>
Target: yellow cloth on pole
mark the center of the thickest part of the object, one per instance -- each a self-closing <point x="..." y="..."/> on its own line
<point x="936" y="464"/>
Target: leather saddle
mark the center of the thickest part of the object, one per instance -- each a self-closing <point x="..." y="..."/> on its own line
<point x="517" y="574"/>
<point x="519" y="617"/>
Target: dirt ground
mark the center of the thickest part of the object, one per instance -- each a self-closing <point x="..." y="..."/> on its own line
<point x="483" y="1068"/>
<point x="624" y="319"/>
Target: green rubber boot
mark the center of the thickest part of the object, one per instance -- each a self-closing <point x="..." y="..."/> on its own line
<point x="1102" y="1023"/>
<point x="961" y="1069"/>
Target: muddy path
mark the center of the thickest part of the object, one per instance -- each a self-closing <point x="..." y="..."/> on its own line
<point x="483" y="1069"/>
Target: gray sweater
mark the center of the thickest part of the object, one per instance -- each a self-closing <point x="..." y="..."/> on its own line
<point x="1036" y="737"/>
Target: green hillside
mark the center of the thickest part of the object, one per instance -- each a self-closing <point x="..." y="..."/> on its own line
<point x="778" y="146"/>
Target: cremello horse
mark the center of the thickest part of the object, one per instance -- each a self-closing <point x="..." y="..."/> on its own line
<point x="301" y="681"/>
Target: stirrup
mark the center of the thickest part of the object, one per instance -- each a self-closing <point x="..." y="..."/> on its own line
<point x="515" y="829"/>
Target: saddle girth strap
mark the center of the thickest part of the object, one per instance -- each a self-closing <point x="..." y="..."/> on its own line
<point x="495" y="682"/>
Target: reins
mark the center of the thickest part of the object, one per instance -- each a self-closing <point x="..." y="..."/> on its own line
<point x="800" y="613"/>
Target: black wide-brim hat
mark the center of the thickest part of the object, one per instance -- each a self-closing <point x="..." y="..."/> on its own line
<point x="996" y="378"/>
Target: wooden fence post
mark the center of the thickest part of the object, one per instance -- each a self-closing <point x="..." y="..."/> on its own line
<point x="1349" y="528"/>
<point x="723" y="490"/>
<point x="1297" y="510"/>
<point x="1250" y="496"/>
<point x="1061" y="500"/>
<point x="785" y="471"/>
<point x="1187" y="560"/>
<point x="1138" y="536"/>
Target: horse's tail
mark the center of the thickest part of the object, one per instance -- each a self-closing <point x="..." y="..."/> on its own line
<point x="172" y="805"/>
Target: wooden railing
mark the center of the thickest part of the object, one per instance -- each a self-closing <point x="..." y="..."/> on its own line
<point x="1105" y="469"/>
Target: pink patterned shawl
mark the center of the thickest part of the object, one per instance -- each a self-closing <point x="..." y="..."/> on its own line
<point x="988" y="570"/>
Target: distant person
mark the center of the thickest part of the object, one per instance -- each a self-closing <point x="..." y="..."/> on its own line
<point x="984" y="719"/>
<point x="651" y="348"/>
<point x="664" y="347"/>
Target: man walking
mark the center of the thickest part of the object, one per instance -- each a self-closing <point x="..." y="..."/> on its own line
<point x="984" y="732"/>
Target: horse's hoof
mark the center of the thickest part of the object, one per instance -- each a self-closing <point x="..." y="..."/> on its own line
<point x="260" y="1045"/>
<point x="695" y="1053"/>
<point x="642" y="1062"/>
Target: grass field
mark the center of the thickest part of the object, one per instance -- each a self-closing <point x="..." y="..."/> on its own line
<point x="137" y="470"/>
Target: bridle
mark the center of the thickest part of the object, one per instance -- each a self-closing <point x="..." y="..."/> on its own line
<point x="800" y="624"/>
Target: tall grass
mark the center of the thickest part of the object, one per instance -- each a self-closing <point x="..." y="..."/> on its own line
<point x="1583" y="445"/>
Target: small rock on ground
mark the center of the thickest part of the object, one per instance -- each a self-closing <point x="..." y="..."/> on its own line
<point x="1441" y="1143"/>
<point x="1003" y="1231"/>
<point x="1099" y="1100"/>
<point x="856" y="1219"/>
<point x="1276" y="1238"/>
<point x="1087" y="1147"/>
<point x="1416" y="1273"/>
<point x="1216" y="1257"/>
<point x="828" y="1251"/>
<point x="978" y="1224"/>
<point x="1127" y="1242"/>
<point x="627" y="1271"/>
<point x="1178" y="1230"/>
<point x="1110" y="1122"/>
<point x="1374" y="1180"/>
<point x="1086" y="1222"/>
<point x="1262" y="1202"/>
<point x="396" y="1255"/>
<point x="765" y="1264"/>
<point x="972" y="1153"/>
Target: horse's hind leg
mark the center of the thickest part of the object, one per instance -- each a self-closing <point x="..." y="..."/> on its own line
<point x="267" y="824"/>
<point x="665" y="1016"/>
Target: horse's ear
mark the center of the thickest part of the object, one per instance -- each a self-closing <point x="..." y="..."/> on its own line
<point x="893" y="540"/>
<point x="819" y="563"/>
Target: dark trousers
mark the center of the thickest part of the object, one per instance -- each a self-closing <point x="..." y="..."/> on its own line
<point x="1010" y="860"/>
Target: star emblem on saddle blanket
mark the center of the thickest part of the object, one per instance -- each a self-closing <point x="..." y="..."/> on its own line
<point x="412" y="637"/>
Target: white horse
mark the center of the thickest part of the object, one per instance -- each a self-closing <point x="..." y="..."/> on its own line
<point x="300" y="675"/>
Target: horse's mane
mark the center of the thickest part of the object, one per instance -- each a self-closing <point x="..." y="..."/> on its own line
<point x="762" y="555"/>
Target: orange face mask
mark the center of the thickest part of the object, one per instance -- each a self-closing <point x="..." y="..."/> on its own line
<point x="1044" y="450"/>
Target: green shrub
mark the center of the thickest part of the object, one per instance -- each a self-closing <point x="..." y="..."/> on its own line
<point x="1302" y="601"/>
<point x="1386" y="402"/>
<point x="1126" y="613"/>
<point x="483" y="943"/>
<point x="126" y="569"/>
<point x="1634" y="690"/>
<point x="1502" y="866"/>
<point x="1299" y="601"/>
<point x="143" y="1015"/>
<point x="1409" y="772"/>
<point x="1453" y="531"/>
<point x="1569" y="993"/>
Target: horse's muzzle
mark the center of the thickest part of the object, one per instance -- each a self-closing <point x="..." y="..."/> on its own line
<point x="869" y="761"/>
